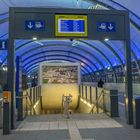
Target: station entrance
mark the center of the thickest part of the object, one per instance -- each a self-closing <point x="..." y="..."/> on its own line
<point x="45" y="23"/>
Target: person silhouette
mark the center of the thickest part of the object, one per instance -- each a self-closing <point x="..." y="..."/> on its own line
<point x="100" y="83"/>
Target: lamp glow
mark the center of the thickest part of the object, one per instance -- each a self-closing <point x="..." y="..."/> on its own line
<point x="106" y="39"/>
<point x="34" y="38"/>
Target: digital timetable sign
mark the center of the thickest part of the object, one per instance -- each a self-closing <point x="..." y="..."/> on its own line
<point x="71" y="25"/>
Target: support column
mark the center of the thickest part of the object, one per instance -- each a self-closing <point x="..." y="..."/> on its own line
<point x="128" y="75"/>
<point x="11" y="66"/>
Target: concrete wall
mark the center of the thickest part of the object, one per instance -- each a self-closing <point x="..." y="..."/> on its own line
<point x="52" y="95"/>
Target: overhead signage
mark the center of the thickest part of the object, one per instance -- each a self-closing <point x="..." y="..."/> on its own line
<point x="3" y="44"/>
<point x="106" y="27"/>
<point x="32" y="25"/>
<point x="71" y="25"/>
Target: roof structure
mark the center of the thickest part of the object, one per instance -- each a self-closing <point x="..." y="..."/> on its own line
<point x="92" y="54"/>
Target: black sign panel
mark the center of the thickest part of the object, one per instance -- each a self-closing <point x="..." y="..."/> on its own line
<point x="41" y="23"/>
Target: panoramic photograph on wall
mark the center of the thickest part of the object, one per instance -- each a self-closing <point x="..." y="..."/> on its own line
<point x="59" y="74"/>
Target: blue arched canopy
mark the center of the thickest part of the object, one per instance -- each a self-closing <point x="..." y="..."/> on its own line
<point x="92" y="54"/>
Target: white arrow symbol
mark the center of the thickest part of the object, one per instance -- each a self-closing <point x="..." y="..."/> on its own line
<point x="3" y="45"/>
<point x="110" y="27"/>
<point x="30" y="25"/>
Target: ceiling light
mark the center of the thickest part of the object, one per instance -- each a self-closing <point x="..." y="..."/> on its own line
<point x="34" y="38"/>
<point x="106" y="39"/>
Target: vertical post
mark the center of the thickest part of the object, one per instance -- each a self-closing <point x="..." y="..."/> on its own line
<point x="33" y="95"/>
<point x="114" y="111"/>
<point x="17" y="80"/>
<point x="6" y="112"/>
<point x="6" y="118"/>
<point x="19" y="93"/>
<point x="82" y="91"/>
<point x="128" y="74"/>
<point x="86" y="92"/>
<point x="11" y="66"/>
<point x="79" y="90"/>
<point x="91" y="94"/>
<point x="97" y="107"/>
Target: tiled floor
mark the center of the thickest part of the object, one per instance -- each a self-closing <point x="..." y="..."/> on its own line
<point x="78" y="127"/>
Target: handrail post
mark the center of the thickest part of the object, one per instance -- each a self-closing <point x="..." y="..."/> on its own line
<point x="97" y="107"/>
<point x="6" y="112"/>
<point x="20" y="106"/>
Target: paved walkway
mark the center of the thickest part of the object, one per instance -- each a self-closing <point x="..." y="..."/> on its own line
<point x="78" y="127"/>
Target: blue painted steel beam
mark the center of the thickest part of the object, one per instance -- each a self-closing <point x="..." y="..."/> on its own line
<point x="26" y="66"/>
<point x="67" y="45"/>
<point x="37" y="65"/>
<point x="49" y="51"/>
<point x="88" y="72"/>
<point x="99" y="51"/>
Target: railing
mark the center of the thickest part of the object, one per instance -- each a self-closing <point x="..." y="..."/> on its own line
<point x="28" y="101"/>
<point x="100" y="99"/>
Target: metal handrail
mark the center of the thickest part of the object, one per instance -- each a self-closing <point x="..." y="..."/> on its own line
<point x="97" y="101"/>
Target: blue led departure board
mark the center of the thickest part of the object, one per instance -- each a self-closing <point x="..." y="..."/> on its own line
<point x="72" y="26"/>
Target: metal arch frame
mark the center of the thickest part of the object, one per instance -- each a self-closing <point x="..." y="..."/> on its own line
<point x="111" y="7"/>
<point x="62" y="51"/>
<point x="100" y="52"/>
<point x="20" y="46"/>
<point x="132" y="21"/>
<point x="35" y="69"/>
<point x="67" y="60"/>
<point x="31" y="56"/>
<point x="109" y="47"/>
<point x="136" y="46"/>
<point x="102" y="3"/>
<point x="113" y="51"/>
<point x="67" y="45"/>
<point x="30" y="63"/>
<point x="5" y="13"/>
<point x="4" y="35"/>
<point x="4" y="20"/>
<point x="36" y="65"/>
<point x="135" y="56"/>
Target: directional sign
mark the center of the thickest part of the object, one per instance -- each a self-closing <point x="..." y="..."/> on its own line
<point x="71" y="25"/>
<point x="106" y="27"/>
<point x="38" y="25"/>
<point x="3" y="44"/>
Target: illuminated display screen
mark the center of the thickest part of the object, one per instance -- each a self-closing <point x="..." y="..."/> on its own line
<point x="71" y="25"/>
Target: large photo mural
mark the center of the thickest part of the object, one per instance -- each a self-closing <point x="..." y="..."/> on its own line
<point x="59" y="74"/>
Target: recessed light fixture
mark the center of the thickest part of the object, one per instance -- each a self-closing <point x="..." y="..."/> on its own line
<point x="34" y="38"/>
<point x="106" y="39"/>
